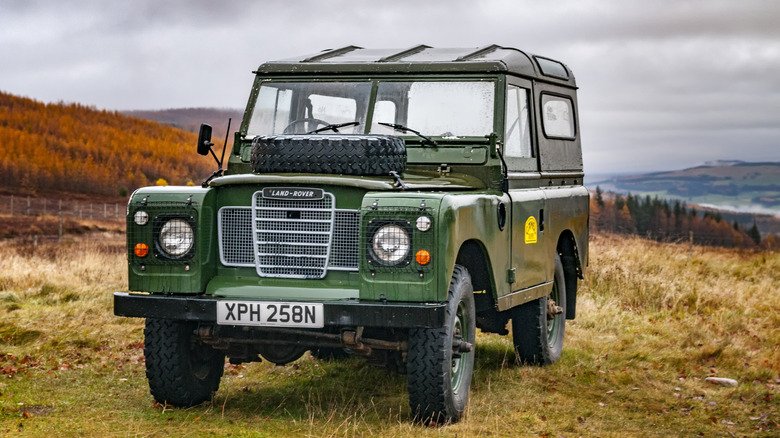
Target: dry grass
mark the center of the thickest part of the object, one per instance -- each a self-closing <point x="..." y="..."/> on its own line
<point x="653" y="322"/>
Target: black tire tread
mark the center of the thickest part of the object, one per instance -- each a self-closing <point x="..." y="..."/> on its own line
<point x="428" y="363"/>
<point x="167" y="365"/>
<point x="329" y="154"/>
<point x="529" y="327"/>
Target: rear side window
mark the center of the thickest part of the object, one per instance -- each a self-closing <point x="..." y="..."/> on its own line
<point x="517" y="136"/>
<point x="552" y="68"/>
<point x="557" y="117"/>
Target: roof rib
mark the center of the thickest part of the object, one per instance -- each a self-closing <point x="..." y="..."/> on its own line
<point x="404" y="53"/>
<point x="479" y="52"/>
<point x="331" y="53"/>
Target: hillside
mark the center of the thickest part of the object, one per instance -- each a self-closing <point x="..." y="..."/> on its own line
<point x="73" y="148"/>
<point x="735" y="185"/>
<point x="189" y="119"/>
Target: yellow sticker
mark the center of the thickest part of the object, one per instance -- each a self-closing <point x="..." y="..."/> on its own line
<point x="530" y="230"/>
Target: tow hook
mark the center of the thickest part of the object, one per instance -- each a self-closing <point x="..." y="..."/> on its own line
<point x="553" y="309"/>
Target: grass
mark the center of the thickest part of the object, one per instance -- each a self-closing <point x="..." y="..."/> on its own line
<point x="653" y="322"/>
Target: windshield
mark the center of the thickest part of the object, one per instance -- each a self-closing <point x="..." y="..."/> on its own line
<point x="303" y="107"/>
<point x="437" y="109"/>
<point x="444" y="109"/>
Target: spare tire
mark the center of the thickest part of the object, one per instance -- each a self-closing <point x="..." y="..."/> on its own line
<point x="329" y="153"/>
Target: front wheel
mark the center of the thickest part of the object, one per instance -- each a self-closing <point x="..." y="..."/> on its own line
<point x="182" y="371"/>
<point x="440" y="361"/>
<point x="538" y="326"/>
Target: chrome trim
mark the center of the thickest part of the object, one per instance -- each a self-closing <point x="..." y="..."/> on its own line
<point x="523" y="175"/>
<point x="237" y="249"/>
<point x="524" y="295"/>
<point x="572" y="174"/>
<point x="300" y="247"/>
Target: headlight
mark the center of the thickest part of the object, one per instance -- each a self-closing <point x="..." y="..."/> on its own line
<point x="391" y="244"/>
<point x="141" y="217"/>
<point x="176" y="238"/>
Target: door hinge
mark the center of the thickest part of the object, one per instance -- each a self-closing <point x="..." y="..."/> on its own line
<point x="510" y="275"/>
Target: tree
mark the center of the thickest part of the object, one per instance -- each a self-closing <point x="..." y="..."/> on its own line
<point x="599" y="197"/>
<point x="754" y="233"/>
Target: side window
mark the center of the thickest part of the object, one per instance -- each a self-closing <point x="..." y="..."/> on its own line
<point x="517" y="135"/>
<point x="557" y="116"/>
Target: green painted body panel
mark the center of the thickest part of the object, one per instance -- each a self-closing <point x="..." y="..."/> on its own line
<point x="459" y="185"/>
<point x="474" y="217"/>
<point x="155" y="274"/>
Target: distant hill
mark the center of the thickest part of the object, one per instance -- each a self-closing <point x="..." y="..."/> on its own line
<point x="733" y="185"/>
<point x="189" y="119"/>
<point x="73" y="148"/>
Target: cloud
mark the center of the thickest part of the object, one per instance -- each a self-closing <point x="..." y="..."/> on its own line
<point x="670" y="81"/>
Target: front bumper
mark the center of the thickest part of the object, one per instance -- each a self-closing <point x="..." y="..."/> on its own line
<point x="343" y="313"/>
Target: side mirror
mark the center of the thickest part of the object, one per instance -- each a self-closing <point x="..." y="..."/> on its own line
<point x="204" y="139"/>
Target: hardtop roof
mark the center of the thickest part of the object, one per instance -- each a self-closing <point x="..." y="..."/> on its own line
<point x="424" y="59"/>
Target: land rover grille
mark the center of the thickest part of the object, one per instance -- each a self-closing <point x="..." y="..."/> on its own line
<point x="290" y="238"/>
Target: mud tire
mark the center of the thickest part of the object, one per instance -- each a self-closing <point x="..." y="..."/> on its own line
<point x="329" y="154"/>
<point x="182" y="371"/>
<point x="438" y="380"/>
<point x="538" y="341"/>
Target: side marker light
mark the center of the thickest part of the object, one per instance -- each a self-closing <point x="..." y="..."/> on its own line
<point x="423" y="257"/>
<point x="141" y="249"/>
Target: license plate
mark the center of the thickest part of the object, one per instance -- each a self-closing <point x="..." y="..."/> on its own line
<point x="270" y="314"/>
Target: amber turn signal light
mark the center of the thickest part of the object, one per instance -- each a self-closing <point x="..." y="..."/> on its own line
<point x="141" y="249"/>
<point x="423" y="257"/>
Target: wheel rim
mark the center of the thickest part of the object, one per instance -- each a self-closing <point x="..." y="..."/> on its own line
<point x="554" y="324"/>
<point x="459" y="333"/>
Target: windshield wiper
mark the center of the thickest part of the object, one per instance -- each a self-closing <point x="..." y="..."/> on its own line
<point x="403" y="128"/>
<point x="334" y="127"/>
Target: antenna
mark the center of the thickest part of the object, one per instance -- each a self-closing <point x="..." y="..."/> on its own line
<point x="227" y="133"/>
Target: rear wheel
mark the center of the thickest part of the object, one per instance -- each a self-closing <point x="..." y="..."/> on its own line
<point x="538" y="326"/>
<point x="182" y="371"/>
<point x="440" y="361"/>
<point x="281" y="354"/>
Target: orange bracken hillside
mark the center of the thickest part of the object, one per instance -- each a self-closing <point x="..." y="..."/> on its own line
<point x="69" y="147"/>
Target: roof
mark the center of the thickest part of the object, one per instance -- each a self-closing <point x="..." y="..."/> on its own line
<point x="424" y="59"/>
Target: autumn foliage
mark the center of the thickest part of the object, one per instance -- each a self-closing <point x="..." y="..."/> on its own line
<point x="70" y="147"/>
<point x="666" y="221"/>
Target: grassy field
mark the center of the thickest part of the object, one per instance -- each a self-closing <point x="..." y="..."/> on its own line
<point x="653" y="322"/>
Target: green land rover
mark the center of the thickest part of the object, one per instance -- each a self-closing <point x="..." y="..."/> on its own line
<point x="381" y="203"/>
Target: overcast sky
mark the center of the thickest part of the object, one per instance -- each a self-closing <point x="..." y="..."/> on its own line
<point x="663" y="84"/>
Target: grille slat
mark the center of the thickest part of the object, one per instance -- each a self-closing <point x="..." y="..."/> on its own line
<point x="290" y="239"/>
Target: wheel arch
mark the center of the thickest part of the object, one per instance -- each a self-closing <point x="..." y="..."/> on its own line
<point x="567" y="250"/>
<point x="473" y="256"/>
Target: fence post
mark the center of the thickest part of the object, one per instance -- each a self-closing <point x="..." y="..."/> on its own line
<point x="690" y="246"/>
<point x="105" y="211"/>
<point x="28" y="205"/>
<point x="116" y="210"/>
<point x="59" y="237"/>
